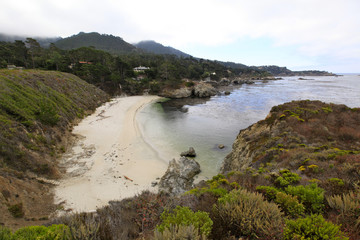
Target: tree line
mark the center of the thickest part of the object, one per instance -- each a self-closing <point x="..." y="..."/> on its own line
<point x="114" y="73"/>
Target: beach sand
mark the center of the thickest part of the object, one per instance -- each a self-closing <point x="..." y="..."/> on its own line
<point x="110" y="159"/>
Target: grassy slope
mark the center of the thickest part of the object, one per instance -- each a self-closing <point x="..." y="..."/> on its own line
<point x="36" y="112"/>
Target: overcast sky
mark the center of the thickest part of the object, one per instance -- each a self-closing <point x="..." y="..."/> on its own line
<point x="299" y="34"/>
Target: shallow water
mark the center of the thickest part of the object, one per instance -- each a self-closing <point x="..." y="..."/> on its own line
<point x="172" y="127"/>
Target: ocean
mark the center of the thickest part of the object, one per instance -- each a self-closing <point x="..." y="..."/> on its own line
<point x="173" y="126"/>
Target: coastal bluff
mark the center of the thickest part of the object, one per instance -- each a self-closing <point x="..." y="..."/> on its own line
<point x="316" y="139"/>
<point x="38" y="110"/>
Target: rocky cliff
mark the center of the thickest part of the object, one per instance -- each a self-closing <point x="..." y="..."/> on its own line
<point x="316" y="139"/>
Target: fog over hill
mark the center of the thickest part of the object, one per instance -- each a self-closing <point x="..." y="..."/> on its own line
<point x="117" y="46"/>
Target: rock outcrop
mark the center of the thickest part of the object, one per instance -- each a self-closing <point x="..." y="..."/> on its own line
<point x="204" y="90"/>
<point x="201" y="90"/>
<point x="179" y="176"/>
<point x="178" y="93"/>
<point x="189" y="153"/>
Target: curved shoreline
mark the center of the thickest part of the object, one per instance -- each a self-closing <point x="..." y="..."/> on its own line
<point x="110" y="160"/>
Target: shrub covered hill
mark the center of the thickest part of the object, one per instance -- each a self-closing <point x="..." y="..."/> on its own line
<point x="37" y="109"/>
<point x="294" y="175"/>
<point x="311" y="137"/>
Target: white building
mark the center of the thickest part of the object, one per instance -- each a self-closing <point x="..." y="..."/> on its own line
<point x="140" y="69"/>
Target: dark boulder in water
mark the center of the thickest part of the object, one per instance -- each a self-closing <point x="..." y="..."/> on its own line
<point x="189" y="153"/>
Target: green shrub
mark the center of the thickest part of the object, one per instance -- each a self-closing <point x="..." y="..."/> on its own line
<point x="336" y="181"/>
<point x="218" y="192"/>
<point x="179" y="232"/>
<point x="268" y="191"/>
<point x="56" y="232"/>
<point x="313" y="227"/>
<point x="311" y="196"/>
<point x="244" y="213"/>
<point x="16" y="210"/>
<point x="189" y="84"/>
<point x="217" y="186"/>
<point x="5" y="233"/>
<point x="286" y="178"/>
<point x="47" y="113"/>
<point x="183" y="216"/>
<point x="289" y="204"/>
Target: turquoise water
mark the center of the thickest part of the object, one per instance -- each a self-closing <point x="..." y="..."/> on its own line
<point x="172" y="127"/>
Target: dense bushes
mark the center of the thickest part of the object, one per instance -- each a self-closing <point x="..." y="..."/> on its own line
<point x="54" y="232"/>
<point x="286" y="178"/>
<point x="177" y="232"/>
<point x="311" y="196"/>
<point x="313" y="227"/>
<point x="346" y="208"/>
<point x="183" y="216"/>
<point x="239" y="213"/>
<point x="289" y="204"/>
<point x="244" y="213"/>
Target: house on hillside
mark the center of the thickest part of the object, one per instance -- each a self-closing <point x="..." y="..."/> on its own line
<point x="84" y="62"/>
<point x="13" y="67"/>
<point x="141" y="69"/>
<point x="72" y="65"/>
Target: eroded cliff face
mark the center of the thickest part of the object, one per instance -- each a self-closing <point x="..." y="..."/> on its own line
<point x="304" y="136"/>
<point x="244" y="151"/>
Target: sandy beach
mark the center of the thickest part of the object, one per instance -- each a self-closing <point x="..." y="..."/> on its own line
<point x="110" y="159"/>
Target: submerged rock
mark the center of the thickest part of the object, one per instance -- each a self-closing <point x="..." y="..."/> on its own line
<point x="189" y="153"/>
<point x="179" y="176"/>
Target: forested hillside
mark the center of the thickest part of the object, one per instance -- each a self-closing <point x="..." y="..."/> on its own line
<point x="108" y="43"/>
<point x="157" y="48"/>
<point x="115" y="73"/>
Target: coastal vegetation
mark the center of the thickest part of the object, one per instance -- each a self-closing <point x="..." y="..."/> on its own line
<point x="293" y="175"/>
<point x="37" y="111"/>
<point x="297" y="183"/>
<point x="283" y="71"/>
<point x="114" y="70"/>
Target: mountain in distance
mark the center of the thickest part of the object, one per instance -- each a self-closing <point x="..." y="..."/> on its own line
<point x="157" y="48"/>
<point x="43" y="41"/>
<point x="116" y="45"/>
<point x="105" y="42"/>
